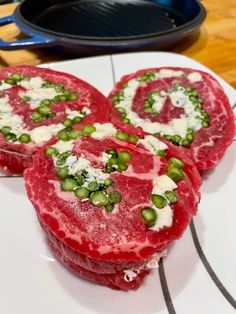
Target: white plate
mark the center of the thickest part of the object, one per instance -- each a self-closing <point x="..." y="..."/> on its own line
<point x="199" y="274"/>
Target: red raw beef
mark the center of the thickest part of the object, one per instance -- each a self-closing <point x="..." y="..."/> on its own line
<point x="88" y="97"/>
<point x="209" y="143"/>
<point x="98" y="245"/>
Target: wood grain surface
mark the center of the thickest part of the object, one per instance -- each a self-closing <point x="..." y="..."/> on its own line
<point x="214" y="45"/>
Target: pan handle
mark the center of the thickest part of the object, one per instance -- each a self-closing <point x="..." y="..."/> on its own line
<point x="34" y="41"/>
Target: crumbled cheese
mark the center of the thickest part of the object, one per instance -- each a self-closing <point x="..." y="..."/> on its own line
<point x="103" y="130"/>
<point x="62" y="146"/>
<point x="129" y="275"/>
<point x="159" y="103"/>
<point x="82" y="164"/>
<point x="194" y="77"/>
<point x="7" y="118"/>
<point x="77" y="113"/>
<point x="4" y="86"/>
<point x="169" y="73"/>
<point x="86" y="110"/>
<point x="36" y="92"/>
<point x="105" y="157"/>
<point x="44" y="133"/>
<point x="164" y="218"/>
<point x="162" y="184"/>
<point x="152" y="144"/>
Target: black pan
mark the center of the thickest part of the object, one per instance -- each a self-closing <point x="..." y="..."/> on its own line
<point x="97" y="26"/>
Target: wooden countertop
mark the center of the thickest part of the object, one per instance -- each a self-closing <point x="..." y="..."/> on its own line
<point x="214" y="46"/>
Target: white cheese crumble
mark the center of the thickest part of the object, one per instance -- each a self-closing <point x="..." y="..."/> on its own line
<point x="62" y="146"/>
<point x="194" y="77"/>
<point x="44" y="133"/>
<point x="130" y="275"/>
<point x="82" y="164"/>
<point x="152" y="144"/>
<point x="8" y="118"/>
<point x="4" y="86"/>
<point x="103" y="130"/>
<point x="162" y="184"/>
<point x="36" y="92"/>
<point x="159" y="102"/>
<point x="164" y="73"/>
<point x="164" y="218"/>
<point x="77" y="113"/>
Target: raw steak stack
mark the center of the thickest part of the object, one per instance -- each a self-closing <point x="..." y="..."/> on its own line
<point x="35" y="105"/>
<point x="110" y="203"/>
<point x="185" y="106"/>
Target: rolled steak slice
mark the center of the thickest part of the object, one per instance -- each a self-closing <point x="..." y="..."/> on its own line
<point x="109" y="201"/>
<point x="186" y="106"/>
<point x="37" y="104"/>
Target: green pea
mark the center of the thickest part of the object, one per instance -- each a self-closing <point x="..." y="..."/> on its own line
<point x="10" y="137"/>
<point x="77" y="120"/>
<point x="15" y="77"/>
<point x="36" y="116"/>
<point x="159" y="201"/>
<point x="161" y="153"/>
<point x="121" y="110"/>
<point x="69" y="184"/>
<point x="133" y="139"/>
<point x="122" y="136"/>
<point x="126" y="121"/>
<point x="109" y="168"/>
<point x="5" y="130"/>
<point x="177" y="138"/>
<point x="67" y="123"/>
<point x="205" y="124"/>
<point x="175" y="162"/>
<point x="80" y="179"/>
<point x="115" y="197"/>
<point x="185" y="143"/>
<point x="124" y="156"/>
<point x="62" y="173"/>
<point x="190" y="130"/>
<point x="62" y="158"/>
<point x="108" y="182"/>
<point x="25" y="98"/>
<point x="93" y="186"/>
<point x="82" y="193"/>
<point x="189" y="137"/>
<point x="168" y="137"/>
<point x="171" y="197"/>
<point x="149" y="110"/>
<point x="149" y="216"/>
<point x="88" y="130"/>
<point x="176" y="174"/>
<point x="73" y="96"/>
<point x="45" y="103"/>
<point x="112" y="152"/>
<point x="51" y="151"/>
<point x="113" y="161"/>
<point x="194" y="93"/>
<point x="192" y="98"/>
<point x="122" y="167"/>
<point x="99" y="199"/>
<point x="10" y="81"/>
<point x="74" y="134"/>
<point x="64" y="135"/>
<point x="44" y="111"/>
<point x="109" y="208"/>
<point x="25" y="138"/>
